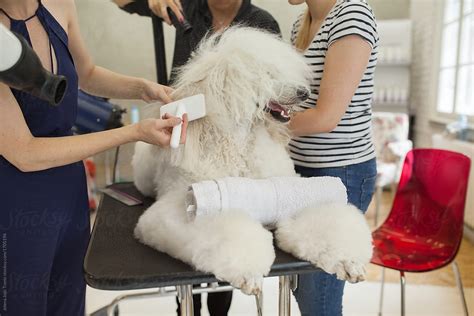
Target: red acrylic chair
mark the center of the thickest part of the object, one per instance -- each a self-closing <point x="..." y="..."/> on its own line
<point x="425" y="226"/>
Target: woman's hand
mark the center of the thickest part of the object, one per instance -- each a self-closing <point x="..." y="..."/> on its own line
<point x="159" y="8"/>
<point x="152" y="91"/>
<point x="158" y="131"/>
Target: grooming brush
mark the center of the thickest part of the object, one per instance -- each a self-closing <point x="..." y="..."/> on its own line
<point x="194" y="107"/>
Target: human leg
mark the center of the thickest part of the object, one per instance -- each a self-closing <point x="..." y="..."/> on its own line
<point x="66" y="292"/>
<point x="321" y="293"/>
<point x="219" y="303"/>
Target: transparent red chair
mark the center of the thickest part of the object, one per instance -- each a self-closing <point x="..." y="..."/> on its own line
<point x="424" y="228"/>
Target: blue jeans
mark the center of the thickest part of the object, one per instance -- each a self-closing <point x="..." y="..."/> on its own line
<point x="320" y="293"/>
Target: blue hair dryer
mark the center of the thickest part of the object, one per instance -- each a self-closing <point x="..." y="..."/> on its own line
<point x="95" y="114"/>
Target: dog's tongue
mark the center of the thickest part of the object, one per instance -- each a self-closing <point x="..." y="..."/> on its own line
<point x="275" y="107"/>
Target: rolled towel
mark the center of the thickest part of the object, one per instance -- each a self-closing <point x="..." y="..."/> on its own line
<point x="265" y="200"/>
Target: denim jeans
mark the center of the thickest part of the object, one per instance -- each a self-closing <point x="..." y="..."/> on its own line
<point x="320" y="293"/>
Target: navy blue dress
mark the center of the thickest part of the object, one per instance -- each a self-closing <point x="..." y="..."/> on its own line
<point x="44" y="219"/>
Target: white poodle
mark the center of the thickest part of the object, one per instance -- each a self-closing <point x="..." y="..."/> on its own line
<point x="250" y="80"/>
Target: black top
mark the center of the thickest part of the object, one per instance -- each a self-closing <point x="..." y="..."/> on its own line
<point x="115" y="260"/>
<point x="199" y="16"/>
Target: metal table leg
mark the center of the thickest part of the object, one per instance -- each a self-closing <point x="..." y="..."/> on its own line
<point x="110" y="309"/>
<point x="284" y="295"/>
<point x="185" y="296"/>
<point x="259" y="302"/>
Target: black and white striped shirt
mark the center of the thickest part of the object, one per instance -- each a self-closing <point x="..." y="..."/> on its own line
<point x="351" y="141"/>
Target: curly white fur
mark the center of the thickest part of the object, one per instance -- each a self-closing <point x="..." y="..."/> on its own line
<point x="239" y="72"/>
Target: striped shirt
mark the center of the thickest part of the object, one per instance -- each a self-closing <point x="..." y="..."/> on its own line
<point x="351" y="141"/>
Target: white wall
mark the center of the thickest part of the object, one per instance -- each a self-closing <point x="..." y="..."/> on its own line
<point x="391" y="9"/>
<point x="115" y="39"/>
<point x="426" y="16"/>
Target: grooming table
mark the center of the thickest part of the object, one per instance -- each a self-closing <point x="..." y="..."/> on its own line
<point x="115" y="260"/>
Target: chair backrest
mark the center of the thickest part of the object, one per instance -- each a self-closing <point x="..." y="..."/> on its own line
<point x="388" y="127"/>
<point x="431" y="196"/>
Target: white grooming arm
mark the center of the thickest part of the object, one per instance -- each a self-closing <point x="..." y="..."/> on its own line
<point x="176" y="134"/>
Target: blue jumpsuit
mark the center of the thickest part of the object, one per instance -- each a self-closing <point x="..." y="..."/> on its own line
<point x="44" y="219"/>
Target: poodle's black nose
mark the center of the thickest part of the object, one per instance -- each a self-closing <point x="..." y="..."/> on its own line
<point x="303" y="93"/>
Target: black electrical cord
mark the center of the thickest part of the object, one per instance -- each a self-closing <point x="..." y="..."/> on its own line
<point x="114" y="170"/>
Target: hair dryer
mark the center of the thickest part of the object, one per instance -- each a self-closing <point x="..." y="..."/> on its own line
<point x="21" y="69"/>
<point x="184" y="26"/>
<point x="95" y="114"/>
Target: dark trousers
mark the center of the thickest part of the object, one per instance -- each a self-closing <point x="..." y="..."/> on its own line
<point x="218" y="303"/>
<point x="45" y="250"/>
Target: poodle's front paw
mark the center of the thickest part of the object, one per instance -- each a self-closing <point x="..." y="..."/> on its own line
<point x="335" y="238"/>
<point x="250" y="285"/>
<point x="234" y="248"/>
<point x="350" y="271"/>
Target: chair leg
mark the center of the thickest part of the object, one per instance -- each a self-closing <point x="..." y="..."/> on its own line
<point x="378" y="201"/>
<point x="382" y="283"/>
<point x="402" y="286"/>
<point x="457" y="275"/>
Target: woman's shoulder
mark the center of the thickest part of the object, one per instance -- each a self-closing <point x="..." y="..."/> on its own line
<point x="352" y="17"/>
<point x="345" y="7"/>
<point x="64" y="5"/>
<point x="62" y="10"/>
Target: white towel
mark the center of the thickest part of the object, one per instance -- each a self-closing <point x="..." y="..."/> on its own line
<point x="265" y="200"/>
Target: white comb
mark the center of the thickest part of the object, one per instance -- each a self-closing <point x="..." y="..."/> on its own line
<point x="194" y="107"/>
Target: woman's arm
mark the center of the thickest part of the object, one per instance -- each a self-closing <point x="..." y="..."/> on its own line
<point x="149" y="7"/>
<point x="344" y="66"/>
<point x="29" y="153"/>
<point x="122" y="3"/>
<point x="102" y="82"/>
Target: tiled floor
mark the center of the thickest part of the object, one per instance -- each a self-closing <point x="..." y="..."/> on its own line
<point x="428" y="294"/>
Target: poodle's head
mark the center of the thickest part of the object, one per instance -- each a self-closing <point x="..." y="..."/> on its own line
<point x="247" y="76"/>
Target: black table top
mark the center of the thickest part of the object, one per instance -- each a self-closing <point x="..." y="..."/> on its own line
<point x="115" y="260"/>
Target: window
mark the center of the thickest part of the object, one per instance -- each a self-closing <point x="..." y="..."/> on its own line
<point x="456" y="69"/>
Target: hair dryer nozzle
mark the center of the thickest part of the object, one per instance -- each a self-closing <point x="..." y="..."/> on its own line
<point x="53" y="89"/>
<point x="29" y="75"/>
